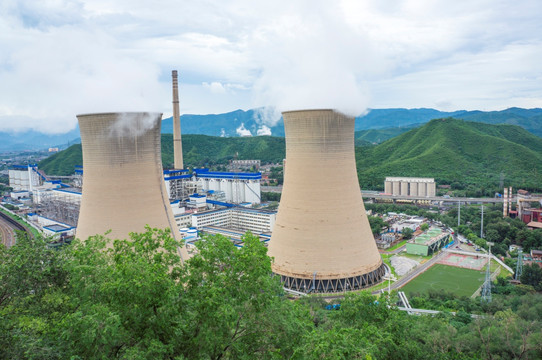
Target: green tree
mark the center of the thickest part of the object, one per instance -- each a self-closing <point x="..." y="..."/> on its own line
<point x="377" y="224"/>
<point x="424" y="227"/>
<point x="233" y="304"/>
<point x="532" y="275"/>
<point x="407" y="233"/>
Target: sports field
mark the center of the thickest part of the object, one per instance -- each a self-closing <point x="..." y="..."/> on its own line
<point x="461" y="282"/>
<point x="476" y="262"/>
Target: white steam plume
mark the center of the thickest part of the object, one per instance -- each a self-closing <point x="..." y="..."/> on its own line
<point x="263" y="130"/>
<point x="133" y="124"/>
<point x="312" y="59"/>
<point x="242" y="131"/>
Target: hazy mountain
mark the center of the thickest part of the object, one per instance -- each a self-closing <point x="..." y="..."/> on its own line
<point x="450" y="150"/>
<point x="33" y="140"/>
<point x="242" y="122"/>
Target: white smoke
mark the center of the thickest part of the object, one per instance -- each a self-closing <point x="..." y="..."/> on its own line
<point x="312" y="59"/>
<point x="267" y="115"/>
<point x="241" y="131"/>
<point x="222" y="132"/>
<point x="263" y="130"/>
<point x="133" y="124"/>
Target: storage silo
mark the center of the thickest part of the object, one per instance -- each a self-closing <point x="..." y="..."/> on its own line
<point x="123" y="185"/>
<point x="322" y="240"/>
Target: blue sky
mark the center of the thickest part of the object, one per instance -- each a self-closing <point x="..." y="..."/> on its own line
<point x="60" y="58"/>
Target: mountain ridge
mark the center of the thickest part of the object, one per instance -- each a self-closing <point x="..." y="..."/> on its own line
<point x="237" y="122"/>
<point x="463" y="153"/>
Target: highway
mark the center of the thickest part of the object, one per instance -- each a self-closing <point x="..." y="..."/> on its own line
<point x="378" y="195"/>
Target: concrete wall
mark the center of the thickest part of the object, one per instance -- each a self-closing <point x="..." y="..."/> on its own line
<point x="321" y="225"/>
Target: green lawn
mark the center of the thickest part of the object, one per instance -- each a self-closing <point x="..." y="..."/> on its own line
<point x="462" y="282"/>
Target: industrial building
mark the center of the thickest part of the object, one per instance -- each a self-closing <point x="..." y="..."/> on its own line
<point x="24" y="178"/>
<point x="410" y="186"/>
<point x="238" y="218"/>
<point x="428" y="242"/>
<point x="123" y="184"/>
<point x="180" y="183"/>
<point x="322" y="241"/>
<point x="238" y="187"/>
<point x="62" y="204"/>
<point x="236" y="165"/>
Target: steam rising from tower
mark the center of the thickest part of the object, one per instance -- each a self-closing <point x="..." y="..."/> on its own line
<point x="123" y="185"/>
<point x="177" y="142"/>
<point x="322" y="240"/>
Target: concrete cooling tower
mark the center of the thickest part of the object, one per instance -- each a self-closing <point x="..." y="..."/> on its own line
<point x="123" y="185"/>
<point x="322" y="240"/>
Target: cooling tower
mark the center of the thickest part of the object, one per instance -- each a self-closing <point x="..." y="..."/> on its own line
<point x="123" y="185"/>
<point x="322" y="240"/>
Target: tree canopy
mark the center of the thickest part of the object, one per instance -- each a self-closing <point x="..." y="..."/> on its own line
<point x="133" y="299"/>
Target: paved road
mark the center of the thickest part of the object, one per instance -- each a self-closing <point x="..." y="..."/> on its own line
<point x="378" y="195"/>
<point x="7" y="232"/>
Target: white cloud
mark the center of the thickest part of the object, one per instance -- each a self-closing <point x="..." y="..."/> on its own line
<point x="64" y="57"/>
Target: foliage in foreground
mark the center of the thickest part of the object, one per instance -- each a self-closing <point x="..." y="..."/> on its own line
<point x="132" y="299"/>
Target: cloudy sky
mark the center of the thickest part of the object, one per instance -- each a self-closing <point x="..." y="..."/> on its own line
<point x="59" y="58"/>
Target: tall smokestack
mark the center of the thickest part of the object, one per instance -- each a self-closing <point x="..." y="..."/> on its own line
<point x="177" y="142"/>
<point x="322" y="241"/>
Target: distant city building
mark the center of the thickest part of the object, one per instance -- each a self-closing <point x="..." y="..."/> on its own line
<point x="244" y="164"/>
<point x="410" y="186"/>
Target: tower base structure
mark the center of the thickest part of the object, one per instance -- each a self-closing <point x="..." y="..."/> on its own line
<point x="334" y="285"/>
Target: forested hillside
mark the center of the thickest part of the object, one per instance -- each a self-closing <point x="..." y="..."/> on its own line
<point x="198" y="150"/>
<point x="472" y="157"/>
<point x="458" y="153"/>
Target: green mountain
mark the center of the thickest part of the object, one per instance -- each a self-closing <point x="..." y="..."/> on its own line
<point x="63" y="162"/>
<point x="198" y="151"/>
<point x="377" y="136"/>
<point x="457" y="152"/>
<point x="470" y="156"/>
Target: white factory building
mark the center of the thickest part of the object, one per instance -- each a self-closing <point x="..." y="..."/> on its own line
<point x="410" y="186"/>
<point x="24" y="178"/>
<point x="257" y="221"/>
<point x="236" y="187"/>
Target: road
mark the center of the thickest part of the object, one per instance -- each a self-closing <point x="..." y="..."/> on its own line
<point x="378" y="195"/>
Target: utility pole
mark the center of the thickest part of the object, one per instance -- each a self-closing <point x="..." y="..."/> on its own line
<point x="486" y="289"/>
<point x="458" y="212"/>
<point x="519" y="265"/>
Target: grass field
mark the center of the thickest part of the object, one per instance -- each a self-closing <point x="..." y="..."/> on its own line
<point x="462" y="282"/>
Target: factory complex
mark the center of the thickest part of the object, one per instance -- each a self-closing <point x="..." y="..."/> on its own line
<point x="320" y="239"/>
